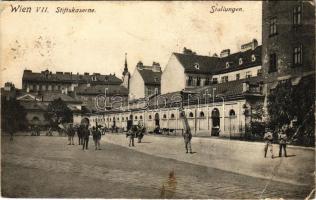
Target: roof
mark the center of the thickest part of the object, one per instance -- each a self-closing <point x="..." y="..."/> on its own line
<point x="48" y="76"/>
<point x="193" y="63"/>
<point x="100" y="89"/>
<point x="149" y="76"/>
<point x="33" y="105"/>
<point x="46" y="97"/>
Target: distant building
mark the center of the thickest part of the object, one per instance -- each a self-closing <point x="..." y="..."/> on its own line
<point x="145" y="81"/>
<point x="63" y="82"/>
<point x="8" y="91"/>
<point x="189" y="70"/>
<point x="126" y="75"/>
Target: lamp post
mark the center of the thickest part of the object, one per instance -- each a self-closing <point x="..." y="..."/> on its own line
<point x="223" y="110"/>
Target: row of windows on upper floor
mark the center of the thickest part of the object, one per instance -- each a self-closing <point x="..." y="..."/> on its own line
<point x="199" y="81"/>
<point x="215" y="113"/>
<point x="297" y="58"/>
<point x="39" y="87"/>
<point x="296" y="20"/>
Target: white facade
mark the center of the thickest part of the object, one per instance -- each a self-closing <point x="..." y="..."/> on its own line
<point x="173" y="78"/>
<point x="137" y="86"/>
<point x="252" y="71"/>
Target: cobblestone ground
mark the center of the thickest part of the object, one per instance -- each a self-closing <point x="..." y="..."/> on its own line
<point x="48" y="167"/>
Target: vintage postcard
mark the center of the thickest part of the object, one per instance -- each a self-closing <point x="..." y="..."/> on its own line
<point x="158" y="99"/>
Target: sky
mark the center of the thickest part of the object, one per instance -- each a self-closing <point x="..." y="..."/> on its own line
<point x="97" y="42"/>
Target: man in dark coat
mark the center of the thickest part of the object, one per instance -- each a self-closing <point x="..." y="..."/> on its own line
<point x="79" y="133"/>
<point x="96" y="137"/>
<point x="131" y="134"/>
<point x="283" y="140"/>
<point x="85" y="135"/>
<point x="71" y="134"/>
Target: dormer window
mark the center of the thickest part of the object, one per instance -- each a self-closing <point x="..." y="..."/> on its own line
<point x="240" y="61"/>
<point x="253" y="58"/>
<point x="94" y="78"/>
<point x="227" y="64"/>
<point x="197" y="66"/>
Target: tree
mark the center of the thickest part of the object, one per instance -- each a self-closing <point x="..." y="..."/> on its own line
<point x="58" y="112"/>
<point x="13" y="115"/>
<point x="287" y="103"/>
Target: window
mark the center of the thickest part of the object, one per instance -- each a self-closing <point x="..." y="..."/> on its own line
<point x="259" y="72"/>
<point x="164" y="116"/>
<point x="297" y="55"/>
<point x="232" y="113"/>
<point x="237" y="76"/>
<point x="135" y="117"/>
<point x="240" y="61"/>
<point x="190" y="80"/>
<point x="224" y="79"/>
<point x="207" y="81"/>
<point x="149" y="117"/>
<point x="141" y="117"/>
<point x="214" y="80"/>
<point x="122" y="119"/>
<point x="253" y="58"/>
<point x="273" y="26"/>
<point x="297" y="15"/>
<point x="172" y="116"/>
<point x="248" y="74"/>
<point x="190" y="114"/>
<point x="156" y="91"/>
<point x="196" y="66"/>
<point x="201" y="114"/>
<point x="198" y="81"/>
<point x="273" y="63"/>
<point x="227" y="64"/>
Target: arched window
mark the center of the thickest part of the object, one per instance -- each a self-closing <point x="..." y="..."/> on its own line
<point x="191" y="114"/>
<point x="110" y="119"/>
<point x="240" y="61"/>
<point x="135" y="117"/>
<point x="182" y="114"/>
<point x="122" y="119"/>
<point x="232" y="113"/>
<point x="164" y="116"/>
<point x="149" y="117"/>
<point x="140" y="117"/>
<point x="118" y="119"/>
<point x="253" y="58"/>
<point x="126" y="118"/>
<point x="201" y="114"/>
<point x="172" y="116"/>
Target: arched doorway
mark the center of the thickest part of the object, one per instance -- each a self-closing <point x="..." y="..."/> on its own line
<point x="215" y="122"/>
<point x="157" y="120"/>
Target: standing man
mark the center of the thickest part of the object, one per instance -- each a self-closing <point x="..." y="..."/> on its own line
<point x="131" y="135"/>
<point x="186" y="133"/>
<point x="85" y="135"/>
<point x="71" y="134"/>
<point x="268" y="137"/>
<point x="283" y="140"/>
<point x="96" y="137"/>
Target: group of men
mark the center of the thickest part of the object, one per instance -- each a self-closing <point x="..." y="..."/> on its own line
<point x="135" y="131"/>
<point x="282" y="139"/>
<point x="83" y="133"/>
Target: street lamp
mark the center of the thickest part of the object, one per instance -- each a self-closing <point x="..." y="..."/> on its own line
<point x="220" y="96"/>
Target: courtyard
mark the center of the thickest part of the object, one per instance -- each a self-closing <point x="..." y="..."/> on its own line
<point x="44" y="166"/>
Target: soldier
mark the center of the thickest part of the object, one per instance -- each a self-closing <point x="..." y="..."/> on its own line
<point x="131" y="133"/>
<point x="71" y="134"/>
<point x="268" y="137"/>
<point x="85" y="135"/>
<point x="283" y="140"/>
<point x="186" y="133"/>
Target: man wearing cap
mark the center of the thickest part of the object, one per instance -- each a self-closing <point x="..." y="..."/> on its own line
<point x="268" y="137"/>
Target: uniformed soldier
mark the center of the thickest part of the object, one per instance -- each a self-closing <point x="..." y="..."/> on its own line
<point x="283" y="140"/>
<point x="85" y="135"/>
<point x="268" y="137"/>
<point x="186" y="133"/>
<point x="131" y="135"/>
<point x="71" y="134"/>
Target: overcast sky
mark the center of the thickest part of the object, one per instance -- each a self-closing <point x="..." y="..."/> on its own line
<point x="97" y="42"/>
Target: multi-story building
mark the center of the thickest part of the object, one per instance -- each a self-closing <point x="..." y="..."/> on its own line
<point x="63" y="81"/>
<point x="288" y="43"/>
<point x="197" y="71"/>
<point x="145" y="81"/>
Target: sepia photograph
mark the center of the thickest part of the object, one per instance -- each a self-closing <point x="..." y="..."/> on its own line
<point x="158" y="99"/>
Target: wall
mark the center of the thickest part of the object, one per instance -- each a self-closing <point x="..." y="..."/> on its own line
<point x="173" y="76"/>
<point x="137" y="86"/>
<point x="232" y="75"/>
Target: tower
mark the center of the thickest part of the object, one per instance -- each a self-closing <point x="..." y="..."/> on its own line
<point x="126" y="75"/>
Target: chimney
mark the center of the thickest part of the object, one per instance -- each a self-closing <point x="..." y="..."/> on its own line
<point x="86" y="73"/>
<point x="139" y="65"/>
<point x="250" y="45"/>
<point x="156" y="67"/>
<point x="225" y="53"/>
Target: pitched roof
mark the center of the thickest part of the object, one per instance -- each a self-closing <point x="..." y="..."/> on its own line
<point x="193" y="63"/>
<point x="46" y="97"/>
<point x="149" y="76"/>
<point x="48" y="76"/>
<point x="100" y="89"/>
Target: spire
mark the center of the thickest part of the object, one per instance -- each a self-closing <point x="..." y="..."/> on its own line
<point x="125" y="65"/>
